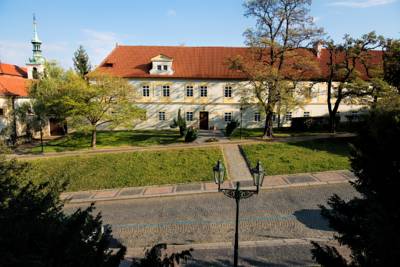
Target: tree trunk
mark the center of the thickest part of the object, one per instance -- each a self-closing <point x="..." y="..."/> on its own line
<point x="268" y="133"/>
<point x="41" y="139"/>
<point x="332" y="122"/>
<point x="93" y="143"/>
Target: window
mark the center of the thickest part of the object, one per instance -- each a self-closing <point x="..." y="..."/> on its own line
<point x="228" y="91"/>
<point x="165" y="67"/>
<point x="165" y="90"/>
<point x="203" y="91"/>
<point x="288" y="116"/>
<point x="228" y="116"/>
<point x="306" y="114"/>
<point x="1" y="112"/>
<point x="257" y="116"/>
<point x="146" y="91"/>
<point x="158" y="67"/>
<point x="161" y="116"/>
<point x="189" y="116"/>
<point x="189" y="91"/>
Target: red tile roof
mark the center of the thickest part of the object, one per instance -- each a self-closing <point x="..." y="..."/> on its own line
<point x="192" y="62"/>
<point x="13" y="81"/>
<point x="13" y="70"/>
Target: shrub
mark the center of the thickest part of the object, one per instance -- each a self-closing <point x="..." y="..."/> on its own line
<point x="158" y="256"/>
<point x="231" y="126"/>
<point x="311" y="123"/>
<point x="191" y="135"/>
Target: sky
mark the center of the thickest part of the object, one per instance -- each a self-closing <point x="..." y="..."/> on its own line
<point x="99" y="25"/>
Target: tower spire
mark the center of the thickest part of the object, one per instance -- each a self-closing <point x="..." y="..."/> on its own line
<point x="36" y="62"/>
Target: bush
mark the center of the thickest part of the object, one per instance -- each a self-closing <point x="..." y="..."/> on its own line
<point x="191" y="135"/>
<point x="311" y="123"/>
<point x="231" y="126"/>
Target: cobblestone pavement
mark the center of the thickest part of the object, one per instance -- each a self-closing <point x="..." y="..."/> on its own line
<point x="235" y="163"/>
<point x="277" y="256"/>
<point x="207" y="218"/>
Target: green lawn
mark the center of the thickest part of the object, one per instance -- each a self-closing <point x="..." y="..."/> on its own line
<point x="106" y="139"/>
<point x="258" y="132"/>
<point x="101" y="171"/>
<point x="297" y="157"/>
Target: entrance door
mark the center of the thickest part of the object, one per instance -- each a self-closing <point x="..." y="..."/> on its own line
<point x="204" y="120"/>
<point x="56" y="127"/>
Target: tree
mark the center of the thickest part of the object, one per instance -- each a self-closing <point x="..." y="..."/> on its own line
<point x="369" y="223"/>
<point x="391" y="61"/>
<point x="352" y="74"/>
<point x="36" y="232"/>
<point x="282" y="28"/>
<point x="180" y="122"/>
<point x="81" y="62"/>
<point x="102" y="102"/>
<point x="35" y="115"/>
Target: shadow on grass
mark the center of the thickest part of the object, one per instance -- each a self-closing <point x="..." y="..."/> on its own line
<point x="339" y="146"/>
<point x="77" y="141"/>
<point x="312" y="219"/>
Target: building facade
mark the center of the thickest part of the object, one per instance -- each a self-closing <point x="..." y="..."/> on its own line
<point x="199" y="82"/>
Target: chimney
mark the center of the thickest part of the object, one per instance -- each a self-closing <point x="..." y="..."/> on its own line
<point x="318" y="48"/>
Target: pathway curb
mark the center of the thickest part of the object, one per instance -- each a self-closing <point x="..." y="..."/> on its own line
<point x="270" y="183"/>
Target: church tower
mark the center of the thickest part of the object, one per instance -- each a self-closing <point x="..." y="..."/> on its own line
<point x="35" y="64"/>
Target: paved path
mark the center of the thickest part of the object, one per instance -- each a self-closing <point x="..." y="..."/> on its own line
<point x="270" y="182"/>
<point x="173" y="146"/>
<point x="200" y="220"/>
<point x="235" y="163"/>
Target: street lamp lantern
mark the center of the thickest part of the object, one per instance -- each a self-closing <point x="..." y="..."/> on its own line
<point x="219" y="172"/>
<point x="258" y="174"/>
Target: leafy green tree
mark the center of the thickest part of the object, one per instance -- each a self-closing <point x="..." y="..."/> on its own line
<point x="180" y="122"/>
<point x="102" y="102"/>
<point x="282" y="27"/>
<point x="369" y="223"/>
<point x="392" y="63"/>
<point x="157" y="256"/>
<point x="81" y="62"/>
<point x="35" y="116"/>
<point x="35" y="231"/>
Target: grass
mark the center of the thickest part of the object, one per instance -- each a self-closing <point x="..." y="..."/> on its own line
<point x="298" y="157"/>
<point x="107" y="139"/>
<point x="87" y="172"/>
<point x="281" y="132"/>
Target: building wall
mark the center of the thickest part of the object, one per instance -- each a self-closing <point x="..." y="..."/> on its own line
<point x="216" y="104"/>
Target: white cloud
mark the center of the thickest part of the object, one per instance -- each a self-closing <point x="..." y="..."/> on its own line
<point x="316" y="19"/>
<point x="98" y="44"/>
<point x="171" y="13"/>
<point x="362" y="3"/>
<point x="14" y="52"/>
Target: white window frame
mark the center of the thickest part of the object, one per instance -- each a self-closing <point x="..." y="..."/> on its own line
<point x="159" y="67"/>
<point x="228" y="91"/>
<point x="288" y="116"/>
<point x="203" y="91"/>
<point x="228" y="116"/>
<point x="165" y="91"/>
<point x="165" y="67"/>
<point x="257" y="116"/>
<point x="189" y="116"/>
<point x="146" y="91"/>
<point x="161" y="115"/>
<point x="189" y="88"/>
<point x="306" y="114"/>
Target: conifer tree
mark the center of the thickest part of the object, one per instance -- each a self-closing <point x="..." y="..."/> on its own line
<point x="81" y="62"/>
<point x="369" y="223"/>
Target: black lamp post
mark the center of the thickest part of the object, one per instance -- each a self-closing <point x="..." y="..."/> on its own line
<point x="258" y="174"/>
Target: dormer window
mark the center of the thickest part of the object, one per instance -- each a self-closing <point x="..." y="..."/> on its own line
<point x="161" y="65"/>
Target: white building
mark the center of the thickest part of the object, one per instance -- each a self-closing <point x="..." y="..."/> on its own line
<point x="198" y="81"/>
